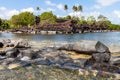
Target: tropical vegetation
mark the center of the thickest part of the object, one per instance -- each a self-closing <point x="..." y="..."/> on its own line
<point x="29" y="19"/>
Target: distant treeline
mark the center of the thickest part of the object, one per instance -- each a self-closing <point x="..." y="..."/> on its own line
<point x="29" y="19"/>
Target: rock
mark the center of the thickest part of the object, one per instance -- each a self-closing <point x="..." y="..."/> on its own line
<point x="88" y="47"/>
<point x="93" y="72"/>
<point x="116" y="76"/>
<point x="101" y="57"/>
<point x="6" y="41"/>
<point x="81" y="71"/>
<point x="13" y="53"/>
<point x="25" y="58"/>
<point x="13" y="66"/>
<point x="48" y="50"/>
<point x="115" y="60"/>
<point x="10" y="45"/>
<point x="22" y="44"/>
<point x="80" y="62"/>
<point x="29" y="53"/>
<point x="101" y="48"/>
<point x="1" y="45"/>
<point x="2" y="53"/>
<point x="2" y="67"/>
<point x="114" y="49"/>
<point x="7" y="49"/>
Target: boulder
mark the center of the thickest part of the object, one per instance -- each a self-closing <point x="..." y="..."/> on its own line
<point x="13" y="53"/>
<point x="22" y="44"/>
<point x="2" y="52"/>
<point x="6" y="41"/>
<point x="115" y="60"/>
<point x="98" y="57"/>
<point x="29" y="53"/>
<point x="1" y="45"/>
<point x="101" y="48"/>
<point x="88" y="47"/>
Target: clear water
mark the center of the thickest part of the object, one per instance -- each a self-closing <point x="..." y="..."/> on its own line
<point x="105" y="37"/>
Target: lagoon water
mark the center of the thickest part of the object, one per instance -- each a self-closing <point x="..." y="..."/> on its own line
<point x="108" y="38"/>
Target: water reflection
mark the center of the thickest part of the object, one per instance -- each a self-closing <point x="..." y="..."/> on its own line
<point x="106" y="37"/>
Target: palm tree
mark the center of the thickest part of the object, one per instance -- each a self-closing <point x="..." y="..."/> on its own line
<point x="102" y="18"/>
<point x="74" y="8"/>
<point x="38" y="9"/>
<point x="79" y="8"/>
<point x="65" y="7"/>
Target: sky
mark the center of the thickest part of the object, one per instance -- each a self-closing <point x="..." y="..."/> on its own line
<point x="108" y="8"/>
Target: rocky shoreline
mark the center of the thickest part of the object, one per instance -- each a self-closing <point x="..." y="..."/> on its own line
<point x="100" y="60"/>
<point x="52" y="32"/>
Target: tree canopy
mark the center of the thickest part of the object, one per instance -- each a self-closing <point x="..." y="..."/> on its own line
<point x="23" y="19"/>
<point x="4" y="24"/>
<point x="47" y="18"/>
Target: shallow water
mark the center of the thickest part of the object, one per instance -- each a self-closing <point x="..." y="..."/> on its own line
<point x="105" y="37"/>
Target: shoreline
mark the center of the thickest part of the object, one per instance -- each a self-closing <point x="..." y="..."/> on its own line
<point x="57" y="32"/>
<point x="68" y="56"/>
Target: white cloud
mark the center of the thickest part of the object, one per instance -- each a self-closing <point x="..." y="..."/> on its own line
<point x="117" y="13"/>
<point x="50" y="9"/>
<point x="59" y="6"/>
<point x="95" y="14"/>
<point x="7" y="13"/>
<point x="28" y="9"/>
<point x="114" y="16"/>
<point x="103" y="3"/>
<point x="2" y="8"/>
<point x="49" y="3"/>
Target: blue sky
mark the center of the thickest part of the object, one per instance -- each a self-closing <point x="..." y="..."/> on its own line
<point x="108" y="8"/>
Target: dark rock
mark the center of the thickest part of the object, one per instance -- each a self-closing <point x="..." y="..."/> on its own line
<point x="101" y="48"/>
<point x="29" y="53"/>
<point x="98" y="58"/>
<point x="10" y="45"/>
<point x="13" y="53"/>
<point x="101" y="57"/>
<point x="2" y="53"/>
<point x="1" y="45"/>
<point x="80" y="62"/>
<point x="101" y="61"/>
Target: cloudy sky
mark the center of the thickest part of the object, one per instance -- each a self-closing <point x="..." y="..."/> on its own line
<point x="108" y="8"/>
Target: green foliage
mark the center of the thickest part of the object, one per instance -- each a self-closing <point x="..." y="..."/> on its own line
<point x="114" y="27"/>
<point x="4" y="24"/>
<point x="0" y="21"/>
<point x="22" y="19"/>
<point x="74" y="8"/>
<point x="47" y="18"/>
<point x="91" y="20"/>
<point x="68" y="17"/>
<point x="102" y="18"/>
